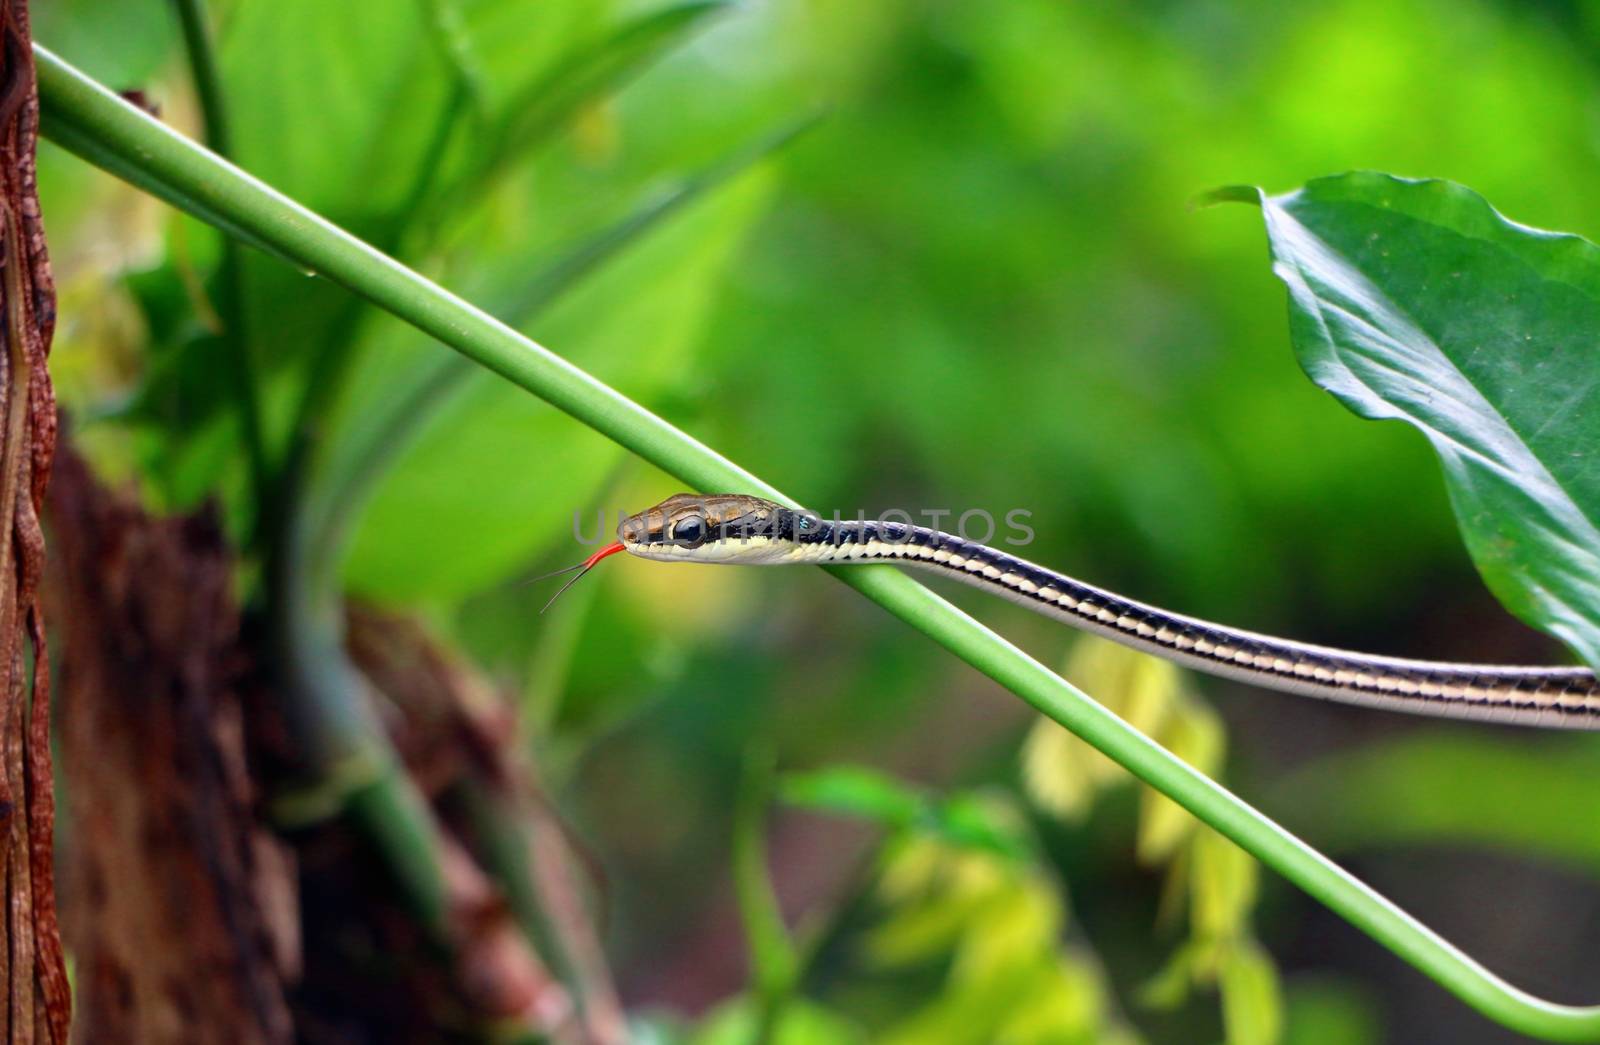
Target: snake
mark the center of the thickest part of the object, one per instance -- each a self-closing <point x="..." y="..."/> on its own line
<point x="738" y="529"/>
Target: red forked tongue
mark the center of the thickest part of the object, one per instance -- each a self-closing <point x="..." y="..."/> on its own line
<point x="583" y="567"/>
<point x="610" y="549"/>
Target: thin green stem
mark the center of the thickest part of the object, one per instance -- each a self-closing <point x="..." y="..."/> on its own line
<point x="353" y="769"/>
<point x="230" y="271"/>
<point x="432" y="162"/>
<point x="449" y="34"/>
<point x="521" y="843"/>
<point x="500" y="837"/>
<point x="333" y="364"/>
<point x="93" y="121"/>
<point x="349" y="762"/>
<point x="774" y="962"/>
<point x="207" y="80"/>
<point x="392" y="812"/>
<point x="350" y="766"/>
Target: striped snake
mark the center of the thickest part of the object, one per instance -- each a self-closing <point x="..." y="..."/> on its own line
<point x="742" y="530"/>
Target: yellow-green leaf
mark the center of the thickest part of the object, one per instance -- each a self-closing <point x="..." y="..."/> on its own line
<point x="1252" y="1000"/>
<point x="1222" y="887"/>
<point x="1195" y="735"/>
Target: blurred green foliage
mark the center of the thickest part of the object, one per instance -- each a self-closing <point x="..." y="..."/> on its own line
<point x="1214" y="879"/>
<point x="975" y="284"/>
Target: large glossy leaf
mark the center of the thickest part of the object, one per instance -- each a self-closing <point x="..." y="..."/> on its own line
<point x="338" y="126"/>
<point x="1416" y="300"/>
<point x="485" y="469"/>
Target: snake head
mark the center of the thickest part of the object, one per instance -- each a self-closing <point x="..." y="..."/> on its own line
<point x="705" y="528"/>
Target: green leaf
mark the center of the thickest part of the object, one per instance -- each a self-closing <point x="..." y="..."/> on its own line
<point x="937" y="895"/>
<point x="774" y="962"/>
<point x="1067" y="1005"/>
<point x="1195" y="734"/>
<point x="1222" y="887"/>
<point x="1062" y="773"/>
<point x="289" y="64"/>
<point x="965" y="819"/>
<point x="1170" y="986"/>
<point x="802" y="1023"/>
<point x="585" y="76"/>
<point x="503" y="45"/>
<point x="1252" y="1000"/>
<point x="394" y="409"/>
<point x="1016" y="928"/>
<point x="854" y="791"/>
<point x="983" y="822"/>
<point x="964" y="1013"/>
<point x="454" y="479"/>
<point x="1055" y="771"/>
<point x="1416" y="300"/>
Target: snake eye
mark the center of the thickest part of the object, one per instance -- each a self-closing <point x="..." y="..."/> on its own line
<point x="691" y="532"/>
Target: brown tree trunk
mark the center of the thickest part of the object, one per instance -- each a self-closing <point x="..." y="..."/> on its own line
<point x="180" y="905"/>
<point x="37" y="1006"/>
<point x="190" y="918"/>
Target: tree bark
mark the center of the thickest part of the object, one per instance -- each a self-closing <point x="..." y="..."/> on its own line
<point x="180" y="905"/>
<point x="193" y="919"/>
<point x="37" y="1006"/>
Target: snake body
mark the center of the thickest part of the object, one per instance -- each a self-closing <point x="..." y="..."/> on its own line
<point x="741" y="530"/>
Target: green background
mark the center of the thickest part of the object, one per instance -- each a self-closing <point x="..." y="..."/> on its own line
<point x="975" y="283"/>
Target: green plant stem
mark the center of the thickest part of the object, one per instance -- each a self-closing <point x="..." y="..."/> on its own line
<point x="338" y="348"/>
<point x="449" y="34"/>
<point x="331" y="368"/>
<point x="207" y="80"/>
<point x="346" y="756"/>
<point x="500" y="834"/>
<point x="396" y="816"/>
<point x="353" y="770"/>
<point x="521" y="844"/>
<point x="774" y="962"/>
<point x="230" y="269"/>
<point x="98" y="125"/>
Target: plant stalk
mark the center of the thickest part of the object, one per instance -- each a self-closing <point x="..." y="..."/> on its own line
<point x="230" y="270"/>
